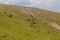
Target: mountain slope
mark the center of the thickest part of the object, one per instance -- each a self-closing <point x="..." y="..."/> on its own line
<point x="25" y="23"/>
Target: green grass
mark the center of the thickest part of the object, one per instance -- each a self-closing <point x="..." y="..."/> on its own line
<point x="18" y="27"/>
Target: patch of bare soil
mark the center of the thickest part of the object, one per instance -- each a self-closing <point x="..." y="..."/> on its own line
<point x="55" y="25"/>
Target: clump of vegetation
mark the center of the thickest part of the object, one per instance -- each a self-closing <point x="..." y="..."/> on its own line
<point x="31" y="25"/>
<point x="58" y="30"/>
<point x="6" y="37"/>
<point x="10" y="16"/>
<point x="33" y="20"/>
<point x="5" y="12"/>
<point x="38" y="31"/>
<point x="3" y="35"/>
<point x="48" y="32"/>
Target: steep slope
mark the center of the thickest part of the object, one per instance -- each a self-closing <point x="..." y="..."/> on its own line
<point x="25" y="23"/>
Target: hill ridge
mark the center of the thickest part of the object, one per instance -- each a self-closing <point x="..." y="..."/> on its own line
<point x="27" y="23"/>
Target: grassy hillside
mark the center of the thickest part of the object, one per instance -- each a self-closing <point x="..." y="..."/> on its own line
<point x="24" y="23"/>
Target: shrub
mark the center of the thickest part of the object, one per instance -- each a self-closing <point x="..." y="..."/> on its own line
<point x="34" y="22"/>
<point x="48" y="32"/>
<point x="38" y="31"/>
<point x="10" y="16"/>
<point x="31" y="25"/>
